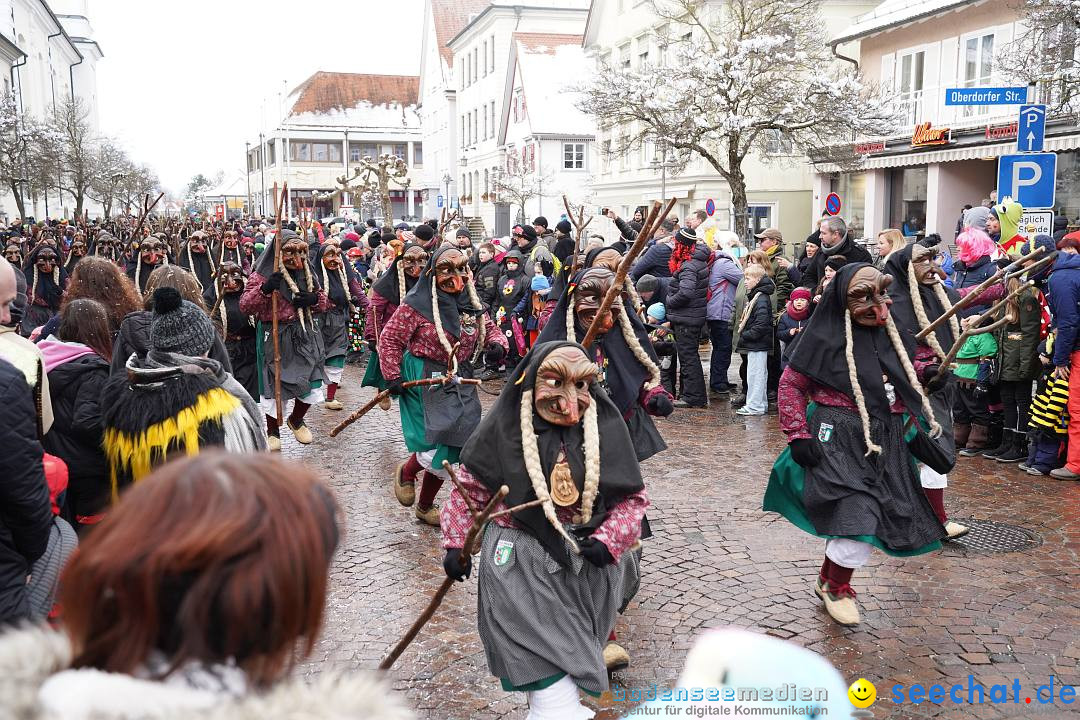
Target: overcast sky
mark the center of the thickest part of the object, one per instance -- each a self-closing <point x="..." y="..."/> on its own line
<point x="182" y="84"/>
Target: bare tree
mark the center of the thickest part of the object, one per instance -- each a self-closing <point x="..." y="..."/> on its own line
<point x="77" y="151"/>
<point x="521" y="184"/>
<point x="374" y="176"/>
<point x="741" y="77"/>
<point x="26" y="153"/>
<point x="111" y="166"/>
<point x="1046" y="53"/>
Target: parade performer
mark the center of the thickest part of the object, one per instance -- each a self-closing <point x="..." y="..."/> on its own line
<point x="107" y="246"/>
<point x="919" y="297"/>
<point x="150" y="253"/>
<point x="387" y="293"/>
<point x="344" y="292"/>
<point x="299" y="339"/>
<point x="847" y="473"/>
<point x="76" y="252"/>
<point x="236" y="328"/>
<point x="629" y="367"/>
<point x="228" y="250"/>
<point x="195" y="258"/>
<point x="46" y="281"/>
<point x="551" y="578"/>
<point x="13" y="254"/>
<point x="440" y="329"/>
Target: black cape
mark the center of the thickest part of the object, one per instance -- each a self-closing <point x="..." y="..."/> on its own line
<point x="265" y="267"/>
<point x="338" y="294"/>
<point x="820" y="352"/>
<point x="451" y="307"/>
<point x="387" y="285"/>
<point x="494" y="454"/>
<point x="903" y="311"/>
<point x="47" y="289"/>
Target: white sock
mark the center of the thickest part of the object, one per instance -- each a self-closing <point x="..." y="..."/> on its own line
<point x="560" y="701"/>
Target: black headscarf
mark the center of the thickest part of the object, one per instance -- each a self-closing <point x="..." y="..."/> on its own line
<point x="338" y="295"/>
<point x="819" y="356"/>
<point x="451" y="307"/>
<point x="903" y="311"/>
<point x="47" y="289"/>
<point x="388" y="286"/>
<point x="624" y="373"/>
<point x="264" y="266"/>
<point x="494" y="453"/>
<point x="202" y="266"/>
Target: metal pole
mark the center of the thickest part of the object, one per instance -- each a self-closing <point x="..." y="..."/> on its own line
<point x="262" y="174"/>
<point x="247" y="161"/>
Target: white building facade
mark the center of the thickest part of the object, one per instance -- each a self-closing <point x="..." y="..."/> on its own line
<point x="47" y="56"/>
<point x="941" y="157"/>
<point x="334" y="120"/>
<point x="482" y="70"/>
<point x="628" y="33"/>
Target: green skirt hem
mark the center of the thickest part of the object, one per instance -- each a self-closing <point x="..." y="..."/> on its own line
<point x="541" y="684"/>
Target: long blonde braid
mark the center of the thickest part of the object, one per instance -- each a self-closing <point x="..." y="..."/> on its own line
<point x="481" y="321"/>
<point x="530" y="453"/>
<point x="909" y="370"/>
<point x="592" y="463"/>
<point x="920" y="312"/>
<point x="635" y="347"/>
<point x="443" y="340"/>
<point x="33" y="287"/>
<point x="856" y="389"/>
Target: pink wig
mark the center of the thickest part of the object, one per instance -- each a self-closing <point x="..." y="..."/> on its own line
<point x="973" y="244"/>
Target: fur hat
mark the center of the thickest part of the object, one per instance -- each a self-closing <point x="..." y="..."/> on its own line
<point x="179" y="326"/>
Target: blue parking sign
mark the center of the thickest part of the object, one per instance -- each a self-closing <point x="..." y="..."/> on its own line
<point x="1029" y="179"/>
<point x="1031" y="128"/>
<point x="438" y="201"/>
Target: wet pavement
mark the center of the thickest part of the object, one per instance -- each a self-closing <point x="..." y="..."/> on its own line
<point x="716" y="560"/>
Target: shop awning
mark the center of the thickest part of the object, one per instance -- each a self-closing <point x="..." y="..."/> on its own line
<point x="973" y="152"/>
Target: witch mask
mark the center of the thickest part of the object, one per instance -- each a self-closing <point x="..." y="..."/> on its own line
<point x="562" y="394"/>
<point x="151" y="251"/>
<point x="331" y="258"/>
<point x="46" y="261"/>
<point x="413" y="261"/>
<point x="197" y="243"/>
<point x="589" y="295"/>
<point x="13" y="255"/>
<point x="451" y="271"/>
<point x="925" y="263"/>
<point x="232" y="277"/>
<point x="868" y="298"/>
<point x="293" y="254"/>
<point x="78" y="246"/>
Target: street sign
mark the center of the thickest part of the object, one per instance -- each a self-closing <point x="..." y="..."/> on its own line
<point x="1031" y="132"/>
<point x="832" y="204"/>
<point x="710" y="207"/>
<point x="986" y="96"/>
<point x="1029" y="179"/>
<point x="438" y="201"/>
<point x="1043" y="220"/>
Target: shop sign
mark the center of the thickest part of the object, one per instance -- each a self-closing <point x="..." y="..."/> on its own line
<point x="1002" y="132"/>
<point x="869" y="148"/>
<point x="926" y="135"/>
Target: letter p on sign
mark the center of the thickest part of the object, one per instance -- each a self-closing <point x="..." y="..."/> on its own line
<point x="1029" y="179"/>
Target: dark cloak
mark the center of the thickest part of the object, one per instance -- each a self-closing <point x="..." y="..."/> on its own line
<point x="903" y="311"/>
<point x="201" y="266"/>
<point x="47" y="289"/>
<point x="223" y="254"/>
<point x="338" y="295"/>
<point x="509" y="300"/>
<point x="265" y="267"/>
<point x="387" y="285"/>
<point x="451" y="307"/>
<point x="820" y="356"/>
<point x="494" y="454"/>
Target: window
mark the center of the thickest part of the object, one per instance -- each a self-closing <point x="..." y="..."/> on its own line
<point x="605" y="156"/>
<point x="662" y="45"/>
<point x="487" y="182"/>
<point x="300" y="151"/>
<point x="485" y="57"/>
<point x="475" y="125"/>
<point x="911" y="84"/>
<point x="978" y="64"/>
<point x="468" y="76"/>
<point x="370" y="150"/>
<point x="519" y="105"/>
<point x="492" y="46"/>
<point x="475" y="60"/>
<point x="643" y="51"/>
<point x="573" y="156"/>
<point x="623" y="155"/>
<point x="402" y="151"/>
<point x="354" y="153"/>
<point x="463" y="135"/>
<point x="418" y="154"/>
<point x="493" y="118"/>
<point x="271" y="154"/>
<point x="624" y="56"/>
<point x="777" y="143"/>
<point x="485" y="123"/>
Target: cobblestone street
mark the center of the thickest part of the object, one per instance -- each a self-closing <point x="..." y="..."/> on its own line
<point x="717" y="559"/>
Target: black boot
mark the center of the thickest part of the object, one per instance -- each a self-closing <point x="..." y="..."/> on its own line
<point x="1018" y="451"/>
<point x="1006" y="445"/>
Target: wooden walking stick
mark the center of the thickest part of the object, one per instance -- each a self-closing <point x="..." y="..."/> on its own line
<point x="652" y="221"/>
<point x="579" y="223"/>
<point x="479" y="520"/>
<point x="279" y="202"/>
<point x="379" y="397"/>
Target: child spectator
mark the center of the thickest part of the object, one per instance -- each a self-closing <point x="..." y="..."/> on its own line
<point x="971" y="414"/>
<point x="1049" y="422"/>
<point x="663" y="342"/>
<point x="792" y="321"/>
<point x="755" y="338"/>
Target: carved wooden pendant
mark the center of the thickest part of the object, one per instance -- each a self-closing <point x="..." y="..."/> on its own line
<point x="563" y="490"/>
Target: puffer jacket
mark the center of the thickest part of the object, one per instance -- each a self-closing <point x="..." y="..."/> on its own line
<point x="972" y="274"/>
<point x="688" y="294"/>
<point x="724" y="280"/>
<point x="754" y="331"/>
<point x="38" y="683"/>
<point x="654" y="261"/>
<point x="1064" y="299"/>
<point x="1018" y="343"/>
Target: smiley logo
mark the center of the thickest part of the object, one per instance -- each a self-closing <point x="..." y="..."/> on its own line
<point x="862" y="693"/>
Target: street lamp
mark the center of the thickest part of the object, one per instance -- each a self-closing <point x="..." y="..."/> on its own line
<point x="446" y="196"/>
<point x="660" y="162"/>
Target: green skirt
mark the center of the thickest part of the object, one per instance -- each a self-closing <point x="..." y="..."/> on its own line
<point x="373" y="374"/>
<point x="411" y="405"/>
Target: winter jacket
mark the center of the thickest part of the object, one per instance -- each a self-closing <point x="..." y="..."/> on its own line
<point x="25" y="513"/>
<point x="854" y="253"/>
<point x="486" y="279"/>
<point x="785" y="284"/>
<point x="628" y="233"/>
<point x="78" y="376"/>
<point x="688" y="293"/>
<point x="1018" y="343"/>
<point x="970" y="275"/>
<point x="724" y="279"/>
<point x="134" y="337"/>
<point x="754" y="332"/>
<point x="38" y="683"/>
<point x="654" y="261"/>
<point x="1064" y="299"/>
<point x="786" y="324"/>
<point x="1061" y="227"/>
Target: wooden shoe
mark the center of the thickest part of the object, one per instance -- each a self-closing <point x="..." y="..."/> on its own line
<point x="430" y="516"/>
<point x="385" y="403"/>
<point x="956" y="530"/>
<point x="273" y="443"/>
<point x="404" y="492"/>
<point x="615" y="656"/>
<point x="841" y="608"/>
<point x="301" y="433"/>
<point x="333" y="404"/>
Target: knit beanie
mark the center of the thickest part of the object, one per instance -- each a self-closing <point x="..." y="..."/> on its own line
<point x="541" y="221"/>
<point x="179" y="326"/>
<point x="564" y="227"/>
<point x="657" y="312"/>
<point x="424" y="233"/>
<point x="647" y="283"/>
<point x="686" y="236"/>
<point x="976" y="217"/>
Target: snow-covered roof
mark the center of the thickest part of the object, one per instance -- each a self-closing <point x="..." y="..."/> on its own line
<point x="549" y="65"/>
<point x="334" y="99"/>
<point x="450" y="17"/>
<point x="235" y="186"/>
<point x="893" y="13"/>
